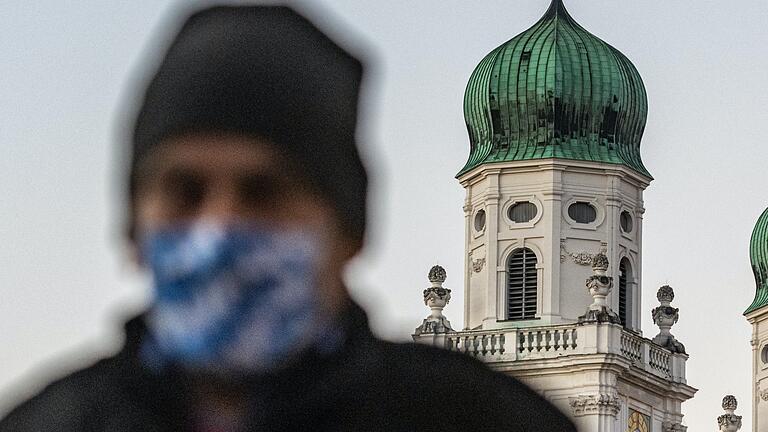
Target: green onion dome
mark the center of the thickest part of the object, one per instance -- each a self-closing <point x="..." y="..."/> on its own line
<point x="555" y="91"/>
<point x="758" y="254"/>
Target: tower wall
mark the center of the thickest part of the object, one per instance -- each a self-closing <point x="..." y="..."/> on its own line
<point x="759" y="321"/>
<point x="563" y="247"/>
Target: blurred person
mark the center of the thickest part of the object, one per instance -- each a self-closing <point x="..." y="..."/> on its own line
<point x="247" y="198"/>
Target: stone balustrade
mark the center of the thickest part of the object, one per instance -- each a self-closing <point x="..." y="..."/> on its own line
<point x="632" y="347"/>
<point x="516" y="344"/>
<point x="520" y="344"/>
<point x="491" y="345"/>
<point x="653" y="358"/>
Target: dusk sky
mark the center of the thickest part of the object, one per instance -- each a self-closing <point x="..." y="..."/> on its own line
<point x="69" y="68"/>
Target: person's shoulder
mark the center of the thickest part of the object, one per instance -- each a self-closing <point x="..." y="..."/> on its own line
<point x="421" y="362"/>
<point x="462" y="383"/>
<point x="425" y="360"/>
<point x="64" y="404"/>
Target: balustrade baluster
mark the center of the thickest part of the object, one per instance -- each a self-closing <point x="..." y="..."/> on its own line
<point x="557" y="337"/>
<point x="483" y="345"/>
<point x="496" y="346"/>
<point x="539" y="335"/>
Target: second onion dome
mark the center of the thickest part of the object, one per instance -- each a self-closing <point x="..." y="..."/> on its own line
<point x="758" y="255"/>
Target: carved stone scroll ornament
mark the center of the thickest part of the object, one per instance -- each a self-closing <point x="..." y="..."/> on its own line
<point x="673" y="427"/>
<point x="478" y="264"/>
<point x="764" y="395"/>
<point x="581" y="258"/>
<point x="595" y="404"/>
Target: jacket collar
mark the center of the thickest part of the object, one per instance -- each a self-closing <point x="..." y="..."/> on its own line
<point x="167" y="394"/>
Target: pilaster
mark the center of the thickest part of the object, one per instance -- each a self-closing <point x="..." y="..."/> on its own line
<point x="552" y="201"/>
<point x="759" y="321"/>
<point x="492" y="197"/>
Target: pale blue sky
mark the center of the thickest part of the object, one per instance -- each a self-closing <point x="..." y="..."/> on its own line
<point x="66" y="65"/>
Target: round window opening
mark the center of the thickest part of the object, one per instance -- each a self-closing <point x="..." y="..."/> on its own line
<point x="480" y="220"/>
<point x="764" y="355"/>
<point x="522" y="212"/>
<point x="582" y="212"/>
<point x="626" y="222"/>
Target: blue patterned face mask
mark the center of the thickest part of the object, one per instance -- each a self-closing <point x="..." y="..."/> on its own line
<point x="231" y="298"/>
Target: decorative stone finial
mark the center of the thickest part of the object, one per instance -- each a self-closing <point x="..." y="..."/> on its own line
<point x="730" y="403"/>
<point x="437" y="274"/>
<point x="600" y="262"/>
<point x="599" y="286"/>
<point x="665" y="294"/>
<point x="665" y="316"/>
<point x="729" y="422"/>
<point x="436" y="298"/>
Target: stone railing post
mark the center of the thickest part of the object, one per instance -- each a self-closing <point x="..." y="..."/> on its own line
<point x="588" y="338"/>
<point x="614" y="339"/>
<point x="511" y="344"/>
<point x="678" y="367"/>
<point x="646" y="356"/>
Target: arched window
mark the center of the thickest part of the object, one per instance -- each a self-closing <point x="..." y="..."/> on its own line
<point x="625" y="296"/>
<point x="521" y="285"/>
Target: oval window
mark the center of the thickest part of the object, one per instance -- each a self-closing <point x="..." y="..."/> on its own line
<point x="764" y="354"/>
<point x="522" y="212"/>
<point x="480" y="220"/>
<point x="625" y="220"/>
<point x="582" y="212"/>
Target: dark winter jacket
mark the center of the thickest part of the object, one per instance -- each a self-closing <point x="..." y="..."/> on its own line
<point x="371" y="385"/>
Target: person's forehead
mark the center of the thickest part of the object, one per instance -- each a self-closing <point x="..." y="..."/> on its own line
<point x="216" y="152"/>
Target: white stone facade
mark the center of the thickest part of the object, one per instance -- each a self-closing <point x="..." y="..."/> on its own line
<point x="595" y="372"/>
<point x="563" y="247"/>
<point x="605" y="375"/>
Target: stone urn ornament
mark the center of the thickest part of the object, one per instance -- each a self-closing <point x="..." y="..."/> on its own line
<point x="599" y="286"/>
<point x="436" y="297"/>
<point x="665" y="316"/>
<point x="729" y="422"/>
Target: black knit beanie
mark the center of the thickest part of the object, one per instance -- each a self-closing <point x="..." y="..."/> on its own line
<point x="267" y="72"/>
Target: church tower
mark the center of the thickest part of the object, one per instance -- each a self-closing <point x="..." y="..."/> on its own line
<point x="554" y="176"/>
<point x="757" y="315"/>
<point x="554" y="196"/>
